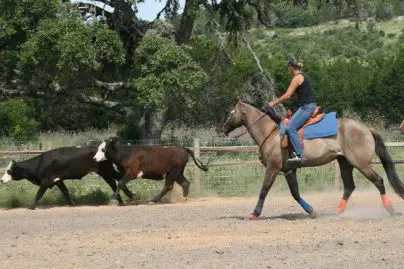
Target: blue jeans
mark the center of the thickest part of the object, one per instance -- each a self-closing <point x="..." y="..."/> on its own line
<point x="298" y="119"/>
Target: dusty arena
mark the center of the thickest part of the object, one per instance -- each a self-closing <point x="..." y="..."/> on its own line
<point x="206" y="233"/>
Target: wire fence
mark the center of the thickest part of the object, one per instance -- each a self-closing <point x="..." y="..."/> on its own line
<point x="234" y="168"/>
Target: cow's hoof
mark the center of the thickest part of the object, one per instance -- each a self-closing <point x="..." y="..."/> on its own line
<point x="252" y="217"/>
<point x="131" y="199"/>
<point x="114" y="202"/>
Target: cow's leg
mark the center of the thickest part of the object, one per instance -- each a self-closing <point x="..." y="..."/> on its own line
<point x="184" y="182"/>
<point x="168" y="186"/>
<point x="109" y="175"/>
<point x="127" y="192"/>
<point x="62" y="187"/>
<point x="121" y="183"/>
<point x="111" y="182"/>
<point x="38" y="196"/>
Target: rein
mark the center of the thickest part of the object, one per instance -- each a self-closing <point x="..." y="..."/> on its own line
<point x="267" y="112"/>
<point x="248" y="127"/>
<point x="267" y="137"/>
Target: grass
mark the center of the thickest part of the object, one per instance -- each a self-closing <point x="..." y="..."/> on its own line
<point x="328" y="41"/>
<point x="223" y="181"/>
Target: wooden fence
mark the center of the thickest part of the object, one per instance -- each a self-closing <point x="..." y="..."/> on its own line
<point x="213" y="149"/>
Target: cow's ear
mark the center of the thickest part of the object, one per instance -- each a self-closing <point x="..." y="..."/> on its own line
<point x="112" y="141"/>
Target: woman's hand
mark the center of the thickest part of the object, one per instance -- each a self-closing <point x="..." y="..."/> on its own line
<point x="271" y="104"/>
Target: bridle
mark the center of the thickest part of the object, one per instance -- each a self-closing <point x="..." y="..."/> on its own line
<point x="249" y="126"/>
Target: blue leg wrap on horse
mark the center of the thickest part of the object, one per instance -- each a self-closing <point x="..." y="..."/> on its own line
<point x="305" y="205"/>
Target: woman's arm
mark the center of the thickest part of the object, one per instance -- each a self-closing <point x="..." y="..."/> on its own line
<point x="296" y="82"/>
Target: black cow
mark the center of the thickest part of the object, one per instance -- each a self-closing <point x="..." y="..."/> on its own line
<point x="52" y="167"/>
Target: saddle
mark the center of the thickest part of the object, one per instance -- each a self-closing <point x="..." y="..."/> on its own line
<point x="315" y="117"/>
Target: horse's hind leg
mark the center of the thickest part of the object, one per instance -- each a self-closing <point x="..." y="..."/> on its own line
<point x="294" y="190"/>
<point x="347" y="179"/>
<point x="184" y="182"/>
<point x="377" y="180"/>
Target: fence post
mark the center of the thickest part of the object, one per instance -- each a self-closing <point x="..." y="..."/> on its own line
<point x="197" y="153"/>
<point x="337" y="175"/>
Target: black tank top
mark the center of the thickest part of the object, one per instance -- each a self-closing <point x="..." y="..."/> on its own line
<point x="305" y="93"/>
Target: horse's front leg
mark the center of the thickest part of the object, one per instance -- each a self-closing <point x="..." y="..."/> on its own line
<point x="270" y="176"/>
<point x="294" y="190"/>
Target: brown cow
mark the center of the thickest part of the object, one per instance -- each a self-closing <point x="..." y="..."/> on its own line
<point x="150" y="162"/>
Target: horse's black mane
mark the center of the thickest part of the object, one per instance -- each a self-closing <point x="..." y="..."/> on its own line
<point x="255" y="105"/>
<point x="269" y="111"/>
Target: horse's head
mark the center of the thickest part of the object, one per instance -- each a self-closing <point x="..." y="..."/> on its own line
<point x="231" y="120"/>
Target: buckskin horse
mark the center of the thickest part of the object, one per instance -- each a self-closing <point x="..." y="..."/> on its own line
<point x="353" y="146"/>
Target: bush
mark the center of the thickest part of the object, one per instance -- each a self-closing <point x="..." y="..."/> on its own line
<point x="16" y="120"/>
<point x="384" y="11"/>
<point x="129" y="132"/>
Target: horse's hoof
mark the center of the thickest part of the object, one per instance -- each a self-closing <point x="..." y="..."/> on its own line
<point x="32" y="207"/>
<point x="313" y="214"/>
<point x="392" y="212"/>
<point x="71" y="203"/>
<point x="252" y="217"/>
<point x="151" y="203"/>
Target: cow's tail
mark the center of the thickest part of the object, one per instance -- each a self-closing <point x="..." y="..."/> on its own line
<point x="197" y="161"/>
<point x="388" y="164"/>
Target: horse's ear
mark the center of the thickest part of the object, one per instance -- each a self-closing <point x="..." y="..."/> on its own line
<point x="238" y="98"/>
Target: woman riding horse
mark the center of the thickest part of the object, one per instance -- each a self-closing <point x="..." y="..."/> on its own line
<point x="301" y="84"/>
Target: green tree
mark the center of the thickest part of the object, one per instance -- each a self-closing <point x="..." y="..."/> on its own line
<point x="16" y="120"/>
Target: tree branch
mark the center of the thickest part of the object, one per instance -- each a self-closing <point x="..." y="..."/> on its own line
<point x="260" y="13"/>
<point x="129" y="115"/>
<point x="248" y="45"/>
<point x="112" y="86"/>
<point x="221" y="39"/>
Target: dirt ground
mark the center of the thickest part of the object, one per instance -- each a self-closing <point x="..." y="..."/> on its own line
<point x="206" y="233"/>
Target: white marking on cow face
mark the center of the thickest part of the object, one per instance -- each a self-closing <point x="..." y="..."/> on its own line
<point x="100" y="155"/>
<point x="140" y="174"/>
<point x="7" y="177"/>
<point x="56" y="179"/>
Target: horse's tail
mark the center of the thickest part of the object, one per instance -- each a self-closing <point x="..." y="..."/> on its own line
<point x="388" y="164"/>
<point x="196" y="160"/>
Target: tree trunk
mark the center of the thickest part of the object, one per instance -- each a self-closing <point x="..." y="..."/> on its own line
<point x="187" y="21"/>
<point x="152" y="125"/>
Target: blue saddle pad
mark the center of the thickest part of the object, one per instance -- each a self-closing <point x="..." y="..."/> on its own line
<point x="328" y="126"/>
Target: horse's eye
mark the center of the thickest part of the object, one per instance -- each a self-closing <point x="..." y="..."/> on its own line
<point x="103" y="150"/>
